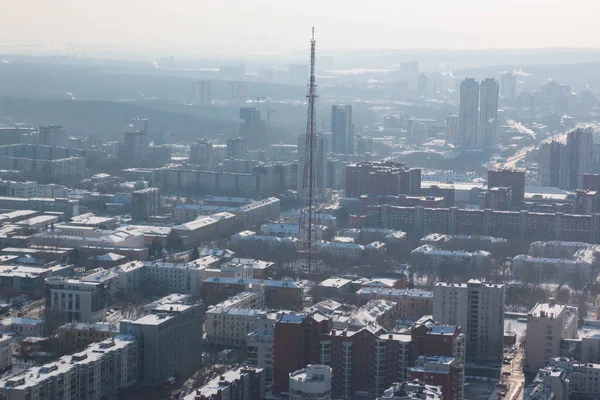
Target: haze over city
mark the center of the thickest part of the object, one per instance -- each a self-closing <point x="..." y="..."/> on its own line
<point x="285" y="200"/>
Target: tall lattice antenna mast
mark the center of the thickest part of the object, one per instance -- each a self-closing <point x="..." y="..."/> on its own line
<point x="309" y="183"/>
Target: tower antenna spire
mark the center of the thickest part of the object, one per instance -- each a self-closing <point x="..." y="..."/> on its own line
<point x="309" y="186"/>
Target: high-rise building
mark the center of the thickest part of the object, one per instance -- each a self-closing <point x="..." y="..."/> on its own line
<point x="591" y="182"/>
<point x="342" y="131"/>
<point x="296" y="343"/>
<point x="508" y="85"/>
<point x="135" y="148"/>
<point x="170" y="342"/>
<point x="364" y="144"/>
<point x="488" y="114"/>
<point x="312" y="382"/>
<point x="319" y="165"/>
<point x="201" y="152"/>
<point x="512" y="178"/>
<point x="203" y="93"/>
<point x="469" y="113"/>
<point x="452" y="136"/>
<point x="478" y="308"/>
<point x="580" y="150"/>
<point x="547" y="325"/>
<point x="237" y="149"/>
<point x="53" y="135"/>
<point x="145" y="203"/>
<point x="252" y="128"/>
<point x="553" y="163"/>
<point x="422" y="84"/>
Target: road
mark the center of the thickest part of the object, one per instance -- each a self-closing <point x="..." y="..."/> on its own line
<point x="516" y="379"/>
<point x="511" y="162"/>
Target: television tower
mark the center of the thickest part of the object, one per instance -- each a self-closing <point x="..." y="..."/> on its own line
<point x="308" y="249"/>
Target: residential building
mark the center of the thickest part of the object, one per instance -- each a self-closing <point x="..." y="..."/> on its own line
<point x="488" y="114"/>
<point x="554" y="270"/>
<point x="548" y="324"/>
<point x="203" y="93"/>
<point x="284" y="295"/>
<point x="74" y="336"/>
<point x="136" y="148"/>
<point x="342" y="130"/>
<point x="514" y="179"/>
<point x="237" y="149"/>
<point x="174" y="277"/>
<point x="201" y="152"/>
<point x="239" y="383"/>
<point x="6" y="354"/>
<point x="252" y="128"/>
<point x="580" y="149"/>
<point x="85" y="299"/>
<point x="53" y="135"/>
<point x="260" y="346"/>
<point x="231" y="326"/>
<point x="508" y="85"/>
<point x="411" y="303"/>
<point x="412" y="390"/>
<point x="478" y="308"/>
<point x="145" y="203"/>
<point x="452" y="129"/>
<point x="446" y="372"/>
<point x="25" y="189"/>
<point x="312" y="382"/>
<point x="170" y="342"/>
<point x="469" y="113"/>
<point x="553" y="163"/>
<point x="101" y="371"/>
<point x="296" y="344"/>
<point x="369" y="359"/>
<point x="432" y="258"/>
<point x="382" y="178"/>
<point x="23" y="327"/>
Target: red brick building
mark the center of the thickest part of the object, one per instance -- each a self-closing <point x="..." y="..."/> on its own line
<point x="296" y="343"/>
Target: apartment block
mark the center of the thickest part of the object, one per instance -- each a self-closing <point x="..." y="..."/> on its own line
<point x="101" y="371"/>
<point x="170" y="340"/>
<point x="478" y="308"/>
<point x="239" y="383"/>
<point x="547" y="325"/>
<point x="411" y="303"/>
<point x="231" y="326"/>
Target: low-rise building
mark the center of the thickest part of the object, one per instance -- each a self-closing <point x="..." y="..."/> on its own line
<point x="558" y="270"/>
<point x="416" y="390"/>
<point x="312" y="382"/>
<point x="430" y="257"/>
<point x="206" y="228"/>
<point x="175" y="277"/>
<point x="446" y="372"/>
<point x="74" y="336"/>
<point x="285" y="295"/>
<point x="231" y="326"/>
<point x="411" y="303"/>
<point x="23" y="326"/>
<point x="239" y="383"/>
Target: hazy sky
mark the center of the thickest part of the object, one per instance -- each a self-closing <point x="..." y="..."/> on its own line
<point x="254" y="26"/>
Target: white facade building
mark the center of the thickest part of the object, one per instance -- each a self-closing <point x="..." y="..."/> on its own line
<point x="428" y="256"/>
<point x="547" y="325"/>
<point x="478" y="308"/>
<point x="312" y="382"/>
<point x="231" y="326"/>
<point x="553" y="269"/>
